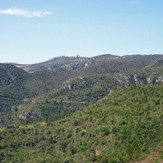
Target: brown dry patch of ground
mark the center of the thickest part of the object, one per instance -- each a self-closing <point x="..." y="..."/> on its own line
<point x="19" y="66"/>
<point x="86" y="123"/>
<point x="83" y="130"/>
<point x="111" y="137"/>
<point x="98" y="153"/>
<point x="148" y="159"/>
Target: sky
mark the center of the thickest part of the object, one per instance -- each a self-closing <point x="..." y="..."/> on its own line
<point x="33" y="31"/>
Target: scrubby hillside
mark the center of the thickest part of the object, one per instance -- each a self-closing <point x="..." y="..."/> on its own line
<point x="60" y="91"/>
<point x="124" y="126"/>
<point x="81" y="91"/>
<point x="16" y="86"/>
<point x="102" y="63"/>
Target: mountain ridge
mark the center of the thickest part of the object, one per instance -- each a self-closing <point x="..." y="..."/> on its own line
<point x="109" y="111"/>
<point x="71" y="63"/>
<point x="81" y="84"/>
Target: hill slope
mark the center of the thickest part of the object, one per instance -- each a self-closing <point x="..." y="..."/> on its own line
<point x="126" y="125"/>
<point x="16" y="85"/>
<point x="65" y="91"/>
<point x="79" y="92"/>
<point x="105" y="63"/>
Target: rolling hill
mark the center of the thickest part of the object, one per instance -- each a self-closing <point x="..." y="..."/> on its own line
<point x="107" y="62"/>
<point x="124" y="126"/>
<point x="26" y="96"/>
<point x="104" y="109"/>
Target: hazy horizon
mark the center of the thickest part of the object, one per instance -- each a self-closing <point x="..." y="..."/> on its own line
<point x="73" y="56"/>
<point x="36" y="31"/>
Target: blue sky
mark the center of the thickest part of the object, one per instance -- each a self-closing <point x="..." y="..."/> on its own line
<point x="33" y="31"/>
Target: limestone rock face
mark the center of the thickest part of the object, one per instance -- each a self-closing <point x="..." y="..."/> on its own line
<point x="30" y="114"/>
<point x="160" y="79"/>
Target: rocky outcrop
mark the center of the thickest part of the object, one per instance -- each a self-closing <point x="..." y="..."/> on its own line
<point x="137" y="79"/>
<point x="30" y="115"/>
<point x="140" y="80"/>
<point x="77" y="65"/>
<point x="151" y="81"/>
<point x="124" y="79"/>
<point x="67" y="63"/>
<point x="160" y="79"/>
<point x="70" y="84"/>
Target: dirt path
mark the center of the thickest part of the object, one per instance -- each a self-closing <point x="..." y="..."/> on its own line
<point x="82" y="102"/>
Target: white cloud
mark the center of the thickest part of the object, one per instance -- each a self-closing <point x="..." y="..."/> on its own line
<point x="134" y="2"/>
<point x="27" y="14"/>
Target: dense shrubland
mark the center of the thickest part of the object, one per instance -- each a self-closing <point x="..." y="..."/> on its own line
<point x="126" y="125"/>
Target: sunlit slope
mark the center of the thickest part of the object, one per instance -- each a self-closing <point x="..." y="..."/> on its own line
<point x="102" y="63"/>
<point x="125" y="125"/>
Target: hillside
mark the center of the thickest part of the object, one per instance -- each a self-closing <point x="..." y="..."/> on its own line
<point x="16" y="85"/>
<point x="29" y="96"/>
<point x="68" y="63"/>
<point x="105" y="63"/>
<point x="79" y="92"/>
<point x="13" y="79"/>
<point x="12" y="89"/>
<point x="124" y="126"/>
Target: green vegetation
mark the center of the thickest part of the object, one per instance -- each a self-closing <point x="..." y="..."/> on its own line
<point x="99" y="64"/>
<point x="81" y="110"/>
<point x="18" y="86"/>
<point x="124" y="126"/>
<point x="72" y="83"/>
